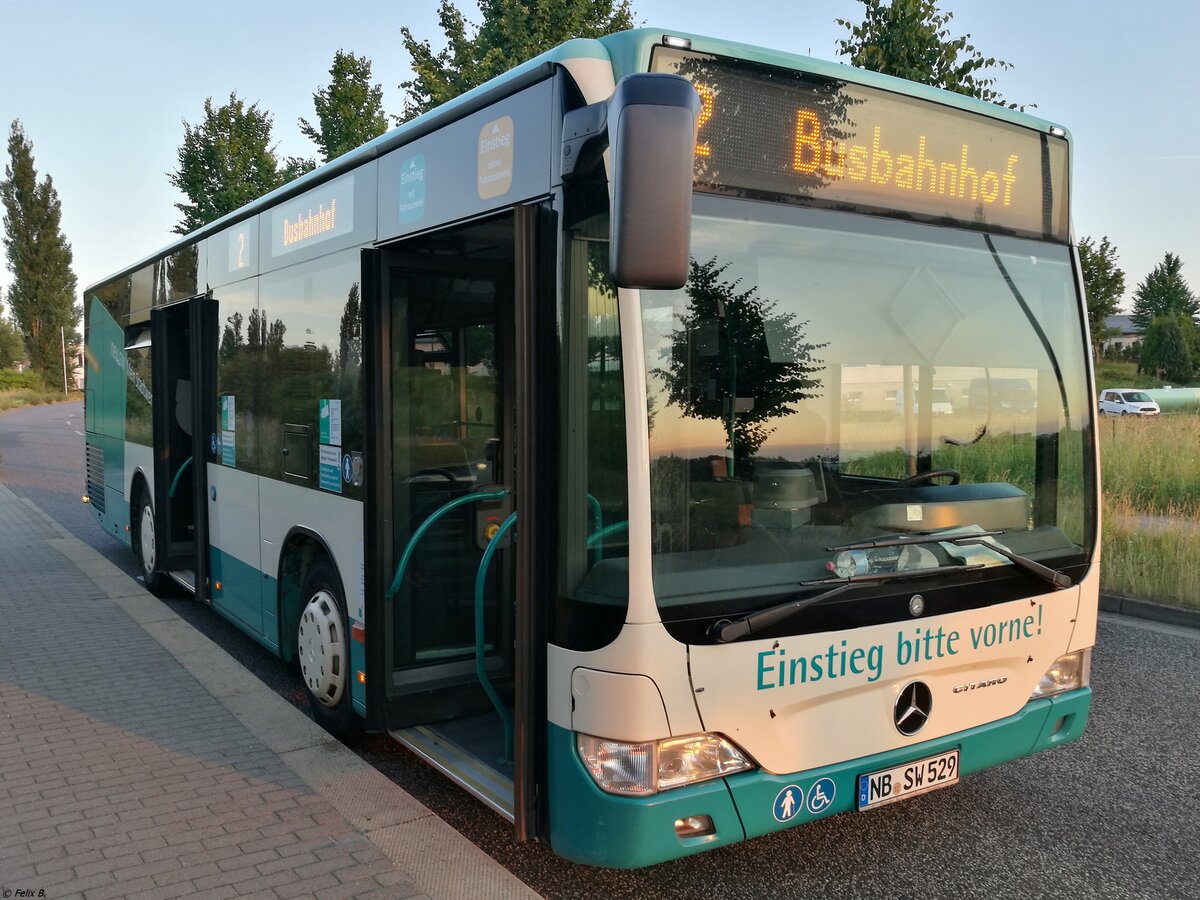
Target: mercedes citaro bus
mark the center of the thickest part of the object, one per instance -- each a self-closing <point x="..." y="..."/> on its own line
<point x="554" y="432"/>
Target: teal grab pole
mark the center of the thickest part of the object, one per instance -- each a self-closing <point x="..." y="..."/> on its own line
<point x="597" y="536"/>
<point x="411" y="547"/>
<point x="597" y="524"/>
<point x="175" y="481"/>
<point x="480" y="669"/>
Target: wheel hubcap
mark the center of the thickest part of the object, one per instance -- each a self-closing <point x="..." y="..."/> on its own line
<point x="146" y="540"/>
<point x="322" y="649"/>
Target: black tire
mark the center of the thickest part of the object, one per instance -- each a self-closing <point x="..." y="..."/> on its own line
<point x="141" y="526"/>
<point x="323" y="651"/>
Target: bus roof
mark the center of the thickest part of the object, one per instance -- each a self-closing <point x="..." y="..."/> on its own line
<point x="627" y="52"/>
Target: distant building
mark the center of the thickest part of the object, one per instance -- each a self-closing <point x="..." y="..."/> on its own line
<point x="1128" y="333"/>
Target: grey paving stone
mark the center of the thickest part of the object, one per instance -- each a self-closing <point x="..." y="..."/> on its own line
<point x="120" y="772"/>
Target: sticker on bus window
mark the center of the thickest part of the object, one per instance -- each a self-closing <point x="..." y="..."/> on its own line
<point x="329" y="470"/>
<point x="228" y="412"/>
<point x="228" y="457"/>
<point x="331" y="421"/>
<point x="412" y="190"/>
<point x="495" y="173"/>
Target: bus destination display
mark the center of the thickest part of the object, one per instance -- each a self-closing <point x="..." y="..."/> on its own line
<point x="770" y="131"/>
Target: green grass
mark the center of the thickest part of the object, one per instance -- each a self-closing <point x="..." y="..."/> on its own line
<point x="1151" y="558"/>
<point x="1150" y="473"/>
<point x="1152" y="466"/>
<point x="22" y="397"/>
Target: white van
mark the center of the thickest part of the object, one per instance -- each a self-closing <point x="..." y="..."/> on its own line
<point x="1127" y="402"/>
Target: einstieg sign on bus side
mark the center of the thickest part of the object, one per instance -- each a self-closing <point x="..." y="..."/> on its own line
<point x="672" y="441"/>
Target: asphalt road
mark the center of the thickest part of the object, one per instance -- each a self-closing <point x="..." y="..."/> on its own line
<point x="1108" y="816"/>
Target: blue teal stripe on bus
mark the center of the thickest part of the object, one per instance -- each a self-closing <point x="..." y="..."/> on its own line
<point x="589" y="826"/>
<point x="241" y="596"/>
<point x="358" y="663"/>
<point x="1032" y="729"/>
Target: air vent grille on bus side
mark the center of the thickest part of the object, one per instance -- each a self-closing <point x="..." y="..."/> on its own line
<point x="95" y="477"/>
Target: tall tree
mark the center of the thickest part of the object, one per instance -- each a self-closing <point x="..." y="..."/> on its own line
<point x="42" y="293"/>
<point x="349" y="109"/>
<point x="1103" y="285"/>
<point x="227" y="160"/>
<point x="512" y="32"/>
<point x="1168" y="347"/>
<point x="911" y="39"/>
<point x="1164" y="292"/>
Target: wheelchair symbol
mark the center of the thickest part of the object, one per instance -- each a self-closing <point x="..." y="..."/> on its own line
<point x="821" y="795"/>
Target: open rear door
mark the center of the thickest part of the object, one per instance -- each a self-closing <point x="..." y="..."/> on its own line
<point x="181" y="341"/>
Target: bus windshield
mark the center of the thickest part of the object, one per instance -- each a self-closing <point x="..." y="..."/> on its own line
<point x="827" y="378"/>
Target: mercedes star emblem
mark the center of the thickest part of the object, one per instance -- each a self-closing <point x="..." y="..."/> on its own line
<point x="913" y="707"/>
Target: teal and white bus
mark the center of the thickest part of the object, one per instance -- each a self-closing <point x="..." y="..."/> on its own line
<point x="561" y="432"/>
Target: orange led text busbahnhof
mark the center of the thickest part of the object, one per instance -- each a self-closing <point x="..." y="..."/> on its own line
<point x="873" y="164"/>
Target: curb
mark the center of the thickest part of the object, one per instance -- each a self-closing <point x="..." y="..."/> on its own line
<point x="1148" y="609"/>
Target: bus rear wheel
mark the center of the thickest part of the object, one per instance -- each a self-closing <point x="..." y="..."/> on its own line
<point x="323" y="650"/>
<point x="145" y="542"/>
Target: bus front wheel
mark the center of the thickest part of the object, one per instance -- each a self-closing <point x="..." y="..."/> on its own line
<point x="145" y="542"/>
<point x="323" y="648"/>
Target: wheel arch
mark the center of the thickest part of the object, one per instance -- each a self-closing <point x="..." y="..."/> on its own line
<point x="139" y="482"/>
<point x="301" y="549"/>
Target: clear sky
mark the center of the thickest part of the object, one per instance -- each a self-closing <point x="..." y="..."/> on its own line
<point x="103" y="88"/>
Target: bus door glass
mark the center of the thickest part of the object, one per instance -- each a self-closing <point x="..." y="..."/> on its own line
<point x="448" y="310"/>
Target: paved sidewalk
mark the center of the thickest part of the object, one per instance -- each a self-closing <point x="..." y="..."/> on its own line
<point x="137" y="759"/>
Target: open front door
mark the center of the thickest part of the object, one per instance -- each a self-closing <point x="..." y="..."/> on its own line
<point x="181" y="359"/>
<point x="453" y="646"/>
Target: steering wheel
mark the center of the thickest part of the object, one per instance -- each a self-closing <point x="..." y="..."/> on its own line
<point x="434" y="470"/>
<point x="925" y="477"/>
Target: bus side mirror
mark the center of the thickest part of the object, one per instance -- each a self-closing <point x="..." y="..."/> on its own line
<point x="652" y="121"/>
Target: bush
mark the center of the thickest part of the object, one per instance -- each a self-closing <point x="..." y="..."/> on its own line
<point x="11" y="380"/>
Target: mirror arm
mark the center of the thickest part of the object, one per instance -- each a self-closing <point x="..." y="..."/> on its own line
<point x="584" y="139"/>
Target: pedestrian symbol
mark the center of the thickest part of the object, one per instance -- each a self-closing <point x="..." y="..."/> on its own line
<point x="788" y="803"/>
<point x="821" y="795"/>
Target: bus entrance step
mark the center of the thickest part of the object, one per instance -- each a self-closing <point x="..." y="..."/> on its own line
<point x="185" y="577"/>
<point x="488" y="779"/>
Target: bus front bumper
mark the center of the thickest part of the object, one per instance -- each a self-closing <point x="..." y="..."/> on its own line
<point x="595" y="828"/>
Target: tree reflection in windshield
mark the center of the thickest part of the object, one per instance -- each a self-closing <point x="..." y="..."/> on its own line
<point x="735" y="357"/>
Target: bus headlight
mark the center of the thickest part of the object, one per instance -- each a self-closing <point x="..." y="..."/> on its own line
<point x="638" y="769"/>
<point x="1067" y="674"/>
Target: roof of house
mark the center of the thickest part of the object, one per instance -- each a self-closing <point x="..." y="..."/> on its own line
<point x="1124" y="324"/>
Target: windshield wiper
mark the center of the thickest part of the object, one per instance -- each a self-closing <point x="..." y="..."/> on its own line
<point x="1045" y="573"/>
<point x="728" y="630"/>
